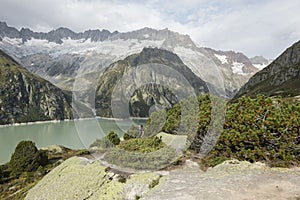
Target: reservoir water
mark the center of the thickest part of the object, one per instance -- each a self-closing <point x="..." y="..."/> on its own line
<point x="75" y="134"/>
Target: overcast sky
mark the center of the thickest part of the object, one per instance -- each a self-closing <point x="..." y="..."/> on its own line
<point x="257" y="27"/>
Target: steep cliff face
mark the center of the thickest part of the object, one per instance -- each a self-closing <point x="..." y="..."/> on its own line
<point x="153" y="77"/>
<point x="149" y="95"/>
<point x="25" y="97"/>
<point x="281" y="77"/>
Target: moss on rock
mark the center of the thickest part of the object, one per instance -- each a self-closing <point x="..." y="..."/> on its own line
<point x="80" y="178"/>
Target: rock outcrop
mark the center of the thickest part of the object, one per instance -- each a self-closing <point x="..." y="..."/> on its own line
<point x="25" y="97"/>
<point x="80" y="178"/>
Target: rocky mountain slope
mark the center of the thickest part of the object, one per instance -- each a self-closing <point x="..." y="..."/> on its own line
<point x="25" y="97"/>
<point x="62" y="54"/>
<point x="236" y="69"/>
<point x="153" y="77"/>
<point x="281" y="77"/>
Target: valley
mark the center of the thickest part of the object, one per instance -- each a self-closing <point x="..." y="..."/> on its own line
<point x="144" y="114"/>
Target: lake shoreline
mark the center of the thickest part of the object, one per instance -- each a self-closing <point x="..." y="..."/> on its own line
<point x="36" y="122"/>
<point x="68" y="120"/>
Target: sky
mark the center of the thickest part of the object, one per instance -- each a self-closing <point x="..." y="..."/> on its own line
<point x="253" y="27"/>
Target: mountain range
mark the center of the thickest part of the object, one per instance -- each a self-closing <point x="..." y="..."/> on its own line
<point x="61" y="55"/>
<point x="136" y="71"/>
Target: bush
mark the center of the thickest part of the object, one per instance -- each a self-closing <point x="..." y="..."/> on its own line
<point x="194" y="122"/>
<point x="113" y="138"/>
<point x="261" y="129"/>
<point x="27" y="158"/>
<point x="155" y="123"/>
<point x="142" y="145"/>
<point x="142" y="161"/>
<point x="108" y="141"/>
<point x="126" y="136"/>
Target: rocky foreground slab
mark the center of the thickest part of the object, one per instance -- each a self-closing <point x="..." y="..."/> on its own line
<point x="82" y="178"/>
<point x="232" y="180"/>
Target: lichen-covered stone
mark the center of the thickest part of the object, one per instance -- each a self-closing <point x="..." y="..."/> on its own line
<point x="55" y="149"/>
<point x="80" y="178"/>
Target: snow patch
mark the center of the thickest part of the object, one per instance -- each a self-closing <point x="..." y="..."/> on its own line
<point x="13" y="41"/>
<point x="118" y="47"/>
<point x="37" y="42"/>
<point x="146" y="35"/>
<point x="237" y="68"/>
<point x="222" y="58"/>
<point x="260" y="66"/>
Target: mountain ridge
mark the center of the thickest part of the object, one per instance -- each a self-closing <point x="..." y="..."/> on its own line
<point x="55" y="36"/>
<point x="281" y="77"/>
<point x="65" y="58"/>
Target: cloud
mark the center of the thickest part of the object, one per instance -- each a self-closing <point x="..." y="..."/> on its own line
<point x="252" y="27"/>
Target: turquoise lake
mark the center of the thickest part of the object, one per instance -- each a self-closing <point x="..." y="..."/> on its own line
<point x="77" y="134"/>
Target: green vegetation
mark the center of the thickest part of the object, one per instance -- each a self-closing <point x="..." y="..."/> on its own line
<point x="142" y="145"/>
<point x="29" y="163"/>
<point x="194" y="122"/>
<point x="127" y="136"/>
<point x="27" y="158"/>
<point x="260" y="129"/>
<point x="141" y="153"/>
<point x="155" y="123"/>
<point x="109" y="141"/>
<point x="136" y="153"/>
<point x="145" y="161"/>
<point x="114" y="138"/>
